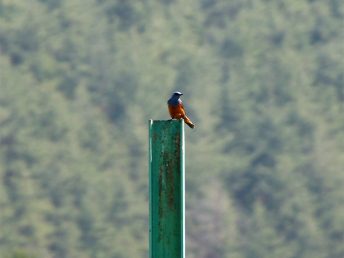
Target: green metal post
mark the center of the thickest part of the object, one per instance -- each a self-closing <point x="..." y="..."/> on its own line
<point x="166" y="189"/>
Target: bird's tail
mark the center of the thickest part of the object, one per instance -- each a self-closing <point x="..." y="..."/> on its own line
<point x="188" y="122"/>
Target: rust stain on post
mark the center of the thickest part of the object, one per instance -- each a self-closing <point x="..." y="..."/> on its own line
<point x="166" y="189"/>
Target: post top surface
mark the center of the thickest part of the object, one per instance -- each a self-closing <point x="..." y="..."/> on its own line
<point x="166" y="121"/>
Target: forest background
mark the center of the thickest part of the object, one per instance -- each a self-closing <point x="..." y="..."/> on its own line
<point x="262" y="80"/>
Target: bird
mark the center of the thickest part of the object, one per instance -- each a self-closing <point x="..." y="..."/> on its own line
<point x="176" y="108"/>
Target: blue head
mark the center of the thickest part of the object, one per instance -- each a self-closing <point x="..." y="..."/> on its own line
<point x="177" y="94"/>
<point x="174" y="100"/>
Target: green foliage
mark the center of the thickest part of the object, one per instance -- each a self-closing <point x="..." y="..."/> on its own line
<point x="20" y="254"/>
<point x="263" y="82"/>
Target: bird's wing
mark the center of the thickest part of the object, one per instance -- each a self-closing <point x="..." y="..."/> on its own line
<point x="182" y="108"/>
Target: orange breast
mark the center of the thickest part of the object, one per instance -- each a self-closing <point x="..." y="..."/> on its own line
<point x="176" y="112"/>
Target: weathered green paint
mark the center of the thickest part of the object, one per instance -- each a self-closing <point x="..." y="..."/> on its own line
<point x="166" y="190"/>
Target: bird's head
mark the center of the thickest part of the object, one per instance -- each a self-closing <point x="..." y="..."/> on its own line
<point x="177" y="94"/>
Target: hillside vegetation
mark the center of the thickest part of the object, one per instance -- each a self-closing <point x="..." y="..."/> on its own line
<point x="262" y="80"/>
